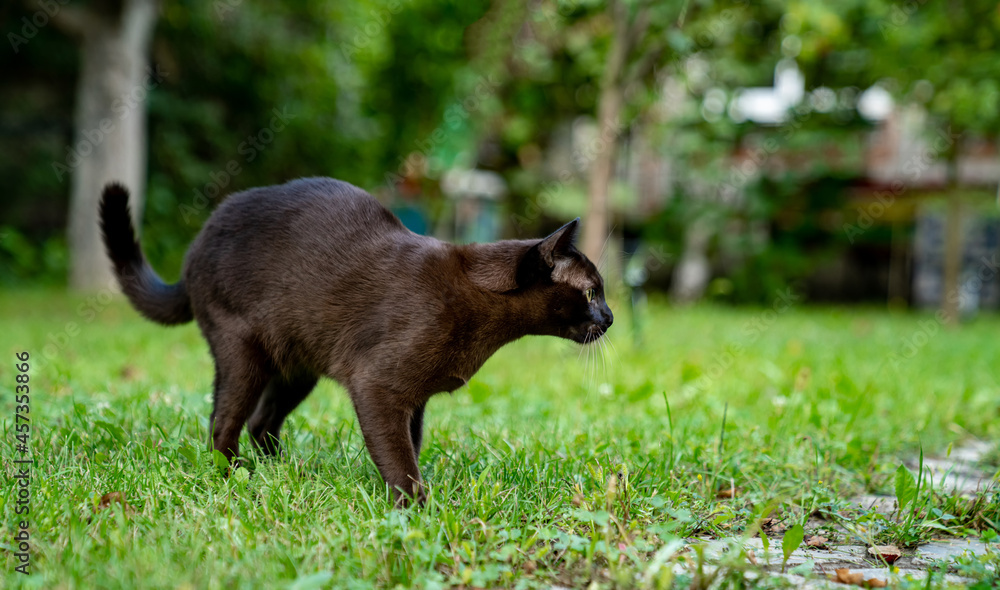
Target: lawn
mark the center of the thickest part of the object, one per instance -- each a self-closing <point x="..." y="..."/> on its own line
<point x="555" y="465"/>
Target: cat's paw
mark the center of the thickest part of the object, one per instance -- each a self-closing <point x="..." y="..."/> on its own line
<point x="417" y="496"/>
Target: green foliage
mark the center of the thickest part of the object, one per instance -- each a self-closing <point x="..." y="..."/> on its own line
<point x="374" y="92"/>
<point x="36" y="99"/>
<point x="790" y="542"/>
<point x="906" y="488"/>
<point x="949" y="47"/>
<point x="273" y="91"/>
<point x="550" y="470"/>
<point x="335" y="71"/>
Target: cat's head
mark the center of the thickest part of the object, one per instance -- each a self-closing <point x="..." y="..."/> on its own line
<point x="556" y="285"/>
<point x="568" y="285"/>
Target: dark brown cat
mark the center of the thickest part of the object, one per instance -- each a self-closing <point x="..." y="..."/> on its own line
<point x="314" y="277"/>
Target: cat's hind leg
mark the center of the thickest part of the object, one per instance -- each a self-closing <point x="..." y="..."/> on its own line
<point x="241" y="372"/>
<point x="417" y="430"/>
<point x="281" y="395"/>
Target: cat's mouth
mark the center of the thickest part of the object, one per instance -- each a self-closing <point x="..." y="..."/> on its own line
<point x="591" y="333"/>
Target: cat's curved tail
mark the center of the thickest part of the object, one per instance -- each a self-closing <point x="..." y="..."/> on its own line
<point x="158" y="301"/>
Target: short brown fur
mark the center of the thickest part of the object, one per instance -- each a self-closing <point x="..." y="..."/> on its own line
<point x="315" y="278"/>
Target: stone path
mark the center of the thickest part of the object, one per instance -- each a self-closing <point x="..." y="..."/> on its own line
<point x="959" y="473"/>
<point x="913" y="564"/>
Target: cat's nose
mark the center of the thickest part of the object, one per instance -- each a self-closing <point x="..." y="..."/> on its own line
<point x="609" y="318"/>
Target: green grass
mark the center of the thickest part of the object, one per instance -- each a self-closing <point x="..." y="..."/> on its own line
<point x="554" y="466"/>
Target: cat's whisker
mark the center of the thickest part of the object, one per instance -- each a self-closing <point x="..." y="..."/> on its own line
<point x="602" y="258"/>
<point x="598" y="360"/>
<point x="594" y="381"/>
<point x="614" y="349"/>
<point x="604" y="359"/>
<point x="604" y="366"/>
<point x="593" y="366"/>
<point x="598" y="354"/>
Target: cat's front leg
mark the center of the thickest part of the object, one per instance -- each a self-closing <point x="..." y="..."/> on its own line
<point x="385" y="421"/>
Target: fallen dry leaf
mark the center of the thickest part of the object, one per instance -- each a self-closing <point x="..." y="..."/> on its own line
<point x="113" y="497"/>
<point x="802" y="379"/>
<point x="886" y="553"/>
<point x="846" y="576"/>
<point x="751" y="556"/>
<point x="771" y="527"/>
<point x="815" y="541"/>
<point x="107" y="500"/>
<point x="727" y="493"/>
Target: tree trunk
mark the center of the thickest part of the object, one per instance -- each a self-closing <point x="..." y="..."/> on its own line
<point x="602" y="169"/>
<point x="609" y="127"/>
<point x="952" y="260"/>
<point x="693" y="270"/>
<point x="951" y="289"/>
<point x="110" y="126"/>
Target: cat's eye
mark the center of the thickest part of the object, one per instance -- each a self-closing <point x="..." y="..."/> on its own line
<point x="590" y="294"/>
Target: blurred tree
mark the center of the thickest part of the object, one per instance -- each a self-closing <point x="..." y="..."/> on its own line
<point x="424" y="57"/>
<point x="36" y="106"/>
<point x="110" y="119"/>
<point x="560" y="64"/>
<point x="556" y="65"/>
<point x="253" y="94"/>
<point x="941" y="55"/>
<point x="640" y="33"/>
<point x="248" y="94"/>
<point x="952" y="48"/>
<point x="371" y="91"/>
<point x="737" y="184"/>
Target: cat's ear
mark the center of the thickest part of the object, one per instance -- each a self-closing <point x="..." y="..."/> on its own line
<point x="559" y="242"/>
